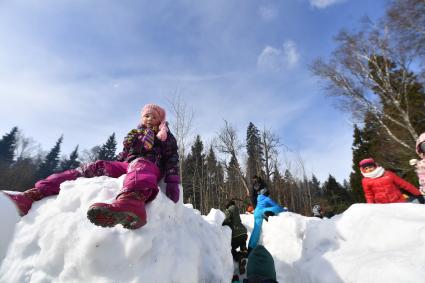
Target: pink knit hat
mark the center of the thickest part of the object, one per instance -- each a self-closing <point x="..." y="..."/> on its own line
<point x="160" y="112"/>
<point x="367" y="162"/>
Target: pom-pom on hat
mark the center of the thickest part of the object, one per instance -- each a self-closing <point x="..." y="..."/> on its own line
<point x="367" y="162"/>
<point x="160" y="112"/>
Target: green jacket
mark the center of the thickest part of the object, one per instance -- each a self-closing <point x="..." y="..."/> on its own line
<point x="233" y="220"/>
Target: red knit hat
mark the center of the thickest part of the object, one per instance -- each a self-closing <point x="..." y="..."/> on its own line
<point x="367" y="162"/>
<point x="160" y="112"/>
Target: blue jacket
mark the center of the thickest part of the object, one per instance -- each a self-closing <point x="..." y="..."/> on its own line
<point x="264" y="203"/>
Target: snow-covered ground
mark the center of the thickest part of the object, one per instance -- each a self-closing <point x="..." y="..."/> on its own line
<point x="56" y="243"/>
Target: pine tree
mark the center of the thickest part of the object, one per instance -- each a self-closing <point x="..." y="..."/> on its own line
<point x="71" y="162"/>
<point x="212" y="182"/>
<point x="277" y="185"/>
<point x="7" y="147"/>
<point x="336" y="195"/>
<point x="193" y="179"/>
<point x="360" y="151"/>
<point x="315" y="186"/>
<point x="254" y="151"/>
<point x="108" y="150"/>
<point x="51" y="161"/>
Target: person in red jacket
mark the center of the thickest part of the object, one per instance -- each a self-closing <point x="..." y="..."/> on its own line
<point x="383" y="186"/>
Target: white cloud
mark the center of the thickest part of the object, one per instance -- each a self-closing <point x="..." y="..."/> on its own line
<point x="290" y="53"/>
<point x="274" y="59"/>
<point x="323" y="3"/>
<point x="270" y="59"/>
<point x="267" y="13"/>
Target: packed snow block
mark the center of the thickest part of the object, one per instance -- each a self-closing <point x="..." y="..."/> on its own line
<point x="9" y="216"/>
<point x="55" y="242"/>
<point x="377" y="243"/>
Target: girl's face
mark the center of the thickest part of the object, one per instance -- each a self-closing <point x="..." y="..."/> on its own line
<point x="368" y="169"/>
<point x="151" y="120"/>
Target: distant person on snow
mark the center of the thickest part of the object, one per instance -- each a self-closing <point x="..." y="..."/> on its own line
<point x="420" y="165"/>
<point x="317" y="211"/>
<point x="257" y="185"/>
<point x="265" y="207"/>
<point x="249" y="209"/>
<point x="383" y="186"/>
<point x="260" y="267"/>
<point x="239" y="234"/>
<point x="150" y="153"/>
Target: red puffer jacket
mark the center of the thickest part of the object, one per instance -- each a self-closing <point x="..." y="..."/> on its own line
<point x="386" y="189"/>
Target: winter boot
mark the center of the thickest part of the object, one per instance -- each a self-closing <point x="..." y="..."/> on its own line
<point x="128" y="209"/>
<point x="24" y="200"/>
<point x="242" y="264"/>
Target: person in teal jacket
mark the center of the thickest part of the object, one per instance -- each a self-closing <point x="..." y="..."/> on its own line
<point x="260" y="267"/>
<point x="265" y="207"/>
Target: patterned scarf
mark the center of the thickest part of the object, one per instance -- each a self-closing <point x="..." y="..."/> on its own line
<point x="148" y="139"/>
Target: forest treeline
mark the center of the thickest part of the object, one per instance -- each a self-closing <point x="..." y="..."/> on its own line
<point x="376" y="73"/>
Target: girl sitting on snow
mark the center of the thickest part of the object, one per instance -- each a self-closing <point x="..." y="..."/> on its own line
<point x="382" y="186"/>
<point x="420" y="165"/>
<point x="150" y="153"/>
<point x="265" y="207"/>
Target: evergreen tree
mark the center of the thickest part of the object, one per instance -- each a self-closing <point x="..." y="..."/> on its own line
<point x="108" y="150"/>
<point x="277" y="185"/>
<point x="71" y="162"/>
<point x="7" y="147"/>
<point x="51" y="161"/>
<point x="212" y="181"/>
<point x="336" y="195"/>
<point x="254" y="151"/>
<point x="315" y="187"/>
<point x="193" y="179"/>
<point x="360" y="152"/>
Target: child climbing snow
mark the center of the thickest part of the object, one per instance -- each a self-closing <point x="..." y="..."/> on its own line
<point x="383" y="186"/>
<point x="239" y="234"/>
<point x="150" y="153"/>
<point x="265" y="207"/>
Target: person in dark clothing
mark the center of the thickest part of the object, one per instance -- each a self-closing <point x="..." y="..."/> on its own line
<point x="257" y="185"/>
<point x="239" y="234"/>
<point x="260" y="267"/>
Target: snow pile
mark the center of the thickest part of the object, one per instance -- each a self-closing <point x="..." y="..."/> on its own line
<point x="367" y="243"/>
<point x="8" y="218"/>
<point x="56" y="243"/>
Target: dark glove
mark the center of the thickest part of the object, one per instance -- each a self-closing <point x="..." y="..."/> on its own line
<point x="172" y="190"/>
<point x="421" y="199"/>
<point x="267" y="214"/>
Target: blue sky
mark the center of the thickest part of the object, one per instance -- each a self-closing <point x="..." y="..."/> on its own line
<point x="84" y="69"/>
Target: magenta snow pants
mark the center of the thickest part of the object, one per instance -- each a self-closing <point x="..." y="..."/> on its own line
<point x="142" y="175"/>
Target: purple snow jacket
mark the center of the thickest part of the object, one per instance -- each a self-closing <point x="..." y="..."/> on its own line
<point x="163" y="153"/>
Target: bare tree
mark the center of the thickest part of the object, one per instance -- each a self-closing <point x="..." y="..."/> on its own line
<point x="270" y="144"/>
<point x="26" y="147"/>
<point x="228" y="144"/>
<point x="182" y="123"/>
<point x="406" y="19"/>
<point x="90" y="155"/>
<point x="361" y="72"/>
